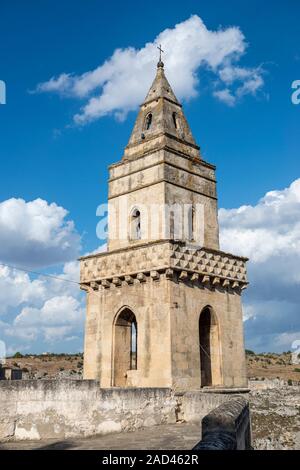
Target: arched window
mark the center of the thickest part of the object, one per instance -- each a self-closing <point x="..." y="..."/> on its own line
<point x="125" y="346"/>
<point x="148" y="121"/>
<point x="135" y="225"/>
<point x="209" y="342"/>
<point x="172" y="225"/>
<point x="174" y="117"/>
<point x="191" y="223"/>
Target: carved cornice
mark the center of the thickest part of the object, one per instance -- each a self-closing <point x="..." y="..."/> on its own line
<point x="173" y="260"/>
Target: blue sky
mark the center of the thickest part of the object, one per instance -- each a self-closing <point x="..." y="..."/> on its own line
<point x="254" y="143"/>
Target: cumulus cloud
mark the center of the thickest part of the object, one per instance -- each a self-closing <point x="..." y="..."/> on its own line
<point x="38" y="309"/>
<point x="226" y="96"/>
<point x="36" y="233"/>
<point x="44" y="310"/>
<point x="59" y="310"/>
<point x="267" y="229"/>
<point x="269" y="234"/>
<point x="17" y="288"/>
<point x="119" y="84"/>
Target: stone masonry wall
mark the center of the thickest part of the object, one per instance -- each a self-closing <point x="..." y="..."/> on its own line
<point x="61" y="409"/>
<point x="50" y="409"/>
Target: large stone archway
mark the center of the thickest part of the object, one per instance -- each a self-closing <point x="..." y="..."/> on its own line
<point x="125" y="346"/>
<point x="210" y="350"/>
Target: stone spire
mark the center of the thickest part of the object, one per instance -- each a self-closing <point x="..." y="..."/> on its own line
<point x="161" y="122"/>
<point x="160" y="87"/>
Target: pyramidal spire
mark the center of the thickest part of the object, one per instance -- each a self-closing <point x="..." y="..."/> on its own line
<point x="160" y="87"/>
<point x="161" y="122"/>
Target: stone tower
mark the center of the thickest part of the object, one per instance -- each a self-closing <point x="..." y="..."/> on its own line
<point x="163" y="303"/>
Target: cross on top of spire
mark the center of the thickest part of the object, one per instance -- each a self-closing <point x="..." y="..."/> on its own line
<point x="160" y="62"/>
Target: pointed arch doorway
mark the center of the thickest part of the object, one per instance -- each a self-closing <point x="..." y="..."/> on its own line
<point x="125" y="346"/>
<point x="209" y="342"/>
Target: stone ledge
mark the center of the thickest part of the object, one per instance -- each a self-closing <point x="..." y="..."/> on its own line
<point x="225" y="390"/>
<point x="227" y="427"/>
<point x="144" y="244"/>
<point x="176" y="275"/>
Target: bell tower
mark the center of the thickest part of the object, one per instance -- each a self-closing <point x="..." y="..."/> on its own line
<point x="163" y="303"/>
<point x="162" y="172"/>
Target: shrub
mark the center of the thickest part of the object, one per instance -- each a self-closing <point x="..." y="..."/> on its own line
<point x="297" y="369"/>
<point x="290" y="382"/>
<point x="249" y="352"/>
<point x="17" y="355"/>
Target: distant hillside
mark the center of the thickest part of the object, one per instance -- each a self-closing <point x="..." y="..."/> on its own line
<point x="272" y="366"/>
<point x="50" y="366"/>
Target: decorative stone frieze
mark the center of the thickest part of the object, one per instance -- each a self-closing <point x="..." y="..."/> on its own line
<point x="194" y="264"/>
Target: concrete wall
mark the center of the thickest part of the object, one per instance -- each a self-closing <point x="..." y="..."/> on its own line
<point x="50" y="409"/>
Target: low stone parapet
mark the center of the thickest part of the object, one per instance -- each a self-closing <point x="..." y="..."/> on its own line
<point x="62" y="409"/>
<point x="227" y="427"/>
<point x="50" y="409"/>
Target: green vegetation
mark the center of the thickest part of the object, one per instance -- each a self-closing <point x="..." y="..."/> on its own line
<point x="249" y="352"/>
<point x="17" y="355"/>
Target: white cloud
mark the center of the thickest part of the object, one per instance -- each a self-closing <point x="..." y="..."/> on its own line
<point x="269" y="229"/>
<point x="17" y="288"/>
<point x="60" y="84"/>
<point x="58" y="318"/>
<point x="43" y="309"/>
<point x="101" y="249"/>
<point x="37" y="308"/>
<point x="226" y="96"/>
<point x="248" y="81"/>
<point x="269" y="234"/>
<point x="36" y="233"/>
<point x="57" y="311"/>
<point x="119" y="84"/>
